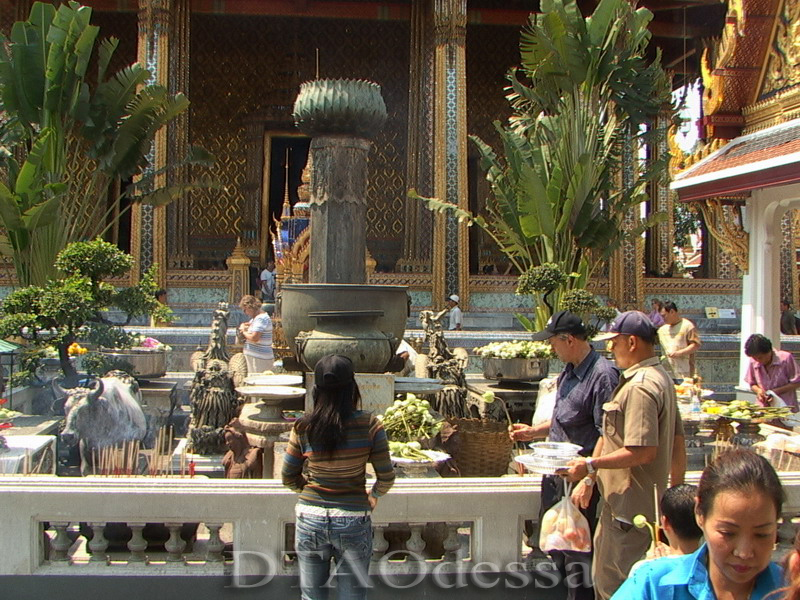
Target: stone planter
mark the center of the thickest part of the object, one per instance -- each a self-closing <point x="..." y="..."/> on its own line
<point x="50" y="368"/>
<point x="146" y="363"/>
<point x="515" y="369"/>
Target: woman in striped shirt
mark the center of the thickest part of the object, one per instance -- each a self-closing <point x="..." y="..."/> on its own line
<point x="257" y="336"/>
<point x="333" y="510"/>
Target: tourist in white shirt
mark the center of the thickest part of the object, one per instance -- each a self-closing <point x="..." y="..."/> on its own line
<point x="257" y="336"/>
<point x="455" y="313"/>
<point x="268" y="282"/>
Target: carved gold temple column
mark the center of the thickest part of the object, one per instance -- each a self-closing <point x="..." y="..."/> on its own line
<point x="417" y="249"/>
<point x="626" y="272"/>
<point x="178" y="220"/>
<point x="661" y="237"/>
<point x="148" y="224"/>
<point x="788" y="258"/>
<point x="450" y="246"/>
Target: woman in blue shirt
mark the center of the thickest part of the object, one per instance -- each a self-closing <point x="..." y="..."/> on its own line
<point x="739" y="500"/>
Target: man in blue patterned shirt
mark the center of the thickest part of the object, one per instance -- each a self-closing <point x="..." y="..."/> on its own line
<point x="586" y="383"/>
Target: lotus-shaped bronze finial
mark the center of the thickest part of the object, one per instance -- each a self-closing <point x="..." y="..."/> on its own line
<point x="339" y="106"/>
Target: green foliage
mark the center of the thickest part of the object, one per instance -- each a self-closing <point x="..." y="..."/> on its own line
<point x="580" y="301"/>
<point x="594" y="314"/>
<point x="140" y="300"/>
<point x="96" y="260"/>
<point x="75" y="138"/>
<point x="97" y="364"/>
<point x="104" y="335"/>
<point x="28" y="361"/>
<point x="542" y="279"/>
<point x="581" y="98"/>
<point x="686" y="223"/>
<point x="68" y="303"/>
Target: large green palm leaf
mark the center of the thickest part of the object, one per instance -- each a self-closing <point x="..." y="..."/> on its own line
<point x="110" y="123"/>
<point x="580" y="97"/>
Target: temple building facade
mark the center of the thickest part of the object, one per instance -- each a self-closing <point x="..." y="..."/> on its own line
<point x="441" y="65"/>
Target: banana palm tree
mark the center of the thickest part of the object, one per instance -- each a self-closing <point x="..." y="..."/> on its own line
<point x="67" y="138"/>
<point x="584" y="97"/>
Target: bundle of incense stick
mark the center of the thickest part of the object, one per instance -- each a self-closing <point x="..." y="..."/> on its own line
<point x="119" y="460"/>
<point x="124" y="459"/>
<point x="161" y="455"/>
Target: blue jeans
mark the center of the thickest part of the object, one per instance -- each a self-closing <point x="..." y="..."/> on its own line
<point x="346" y="540"/>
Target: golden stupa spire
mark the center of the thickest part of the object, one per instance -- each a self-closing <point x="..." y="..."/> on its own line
<point x="286" y="211"/>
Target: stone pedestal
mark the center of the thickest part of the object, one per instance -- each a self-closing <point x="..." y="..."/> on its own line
<point x="519" y="396"/>
<point x="28" y="454"/>
<point x="263" y="432"/>
<point x="209" y="465"/>
<point x="377" y="391"/>
<point x="158" y="402"/>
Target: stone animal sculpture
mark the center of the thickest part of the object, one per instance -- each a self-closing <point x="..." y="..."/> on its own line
<point x="107" y="414"/>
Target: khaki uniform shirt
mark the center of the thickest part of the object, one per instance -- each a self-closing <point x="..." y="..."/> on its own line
<point x="642" y="412"/>
<point x="677" y="337"/>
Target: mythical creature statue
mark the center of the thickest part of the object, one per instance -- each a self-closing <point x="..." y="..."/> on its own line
<point x="213" y="395"/>
<point x="217" y="341"/>
<point x="446" y="365"/>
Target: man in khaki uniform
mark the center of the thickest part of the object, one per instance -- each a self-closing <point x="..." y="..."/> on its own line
<point x="641" y="448"/>
<point x="679" y="340"/>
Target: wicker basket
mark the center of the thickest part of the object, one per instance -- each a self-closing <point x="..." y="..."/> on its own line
<point x="484" y="447"/>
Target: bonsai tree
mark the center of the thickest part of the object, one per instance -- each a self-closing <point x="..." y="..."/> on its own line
<point x="75" y="306"/>
<point x="584" y="98"/>
<point x="68" y="139"/>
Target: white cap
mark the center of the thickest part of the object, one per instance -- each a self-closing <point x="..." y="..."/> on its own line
<point x="454" y="298"/>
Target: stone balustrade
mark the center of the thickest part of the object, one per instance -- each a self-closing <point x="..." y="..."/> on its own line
<point x="478" y="521"/>
<point x="453" y="524"/>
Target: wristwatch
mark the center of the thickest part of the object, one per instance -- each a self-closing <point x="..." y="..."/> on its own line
<point x="588" y="481"/>
<point x="590" y="467"/>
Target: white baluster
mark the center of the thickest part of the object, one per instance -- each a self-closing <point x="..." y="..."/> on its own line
<point x="60" y="544"/>
<point x="98" y="544"/>
<point x="379" y="542"/>
<point x="215" y="544"/>
<point x="415" y="543"/>
<point x="452" y="542"/>
<point x="175" y="545"/>
<point x="137" y="544"/>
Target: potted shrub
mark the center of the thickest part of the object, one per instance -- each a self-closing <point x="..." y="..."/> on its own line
<point x="76" y="306"/>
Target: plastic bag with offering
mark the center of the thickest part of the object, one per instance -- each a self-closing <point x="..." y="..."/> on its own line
<point x="563" y="527"/>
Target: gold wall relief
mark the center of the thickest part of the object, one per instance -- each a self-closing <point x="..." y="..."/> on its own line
<point x="788" y="258"/>
<point x="724" y="222"/>
<point x="178" y="255"/>
<point x="417" y="240"/>
<point x="257" y="72"/>
<point x="783" y="64"/>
